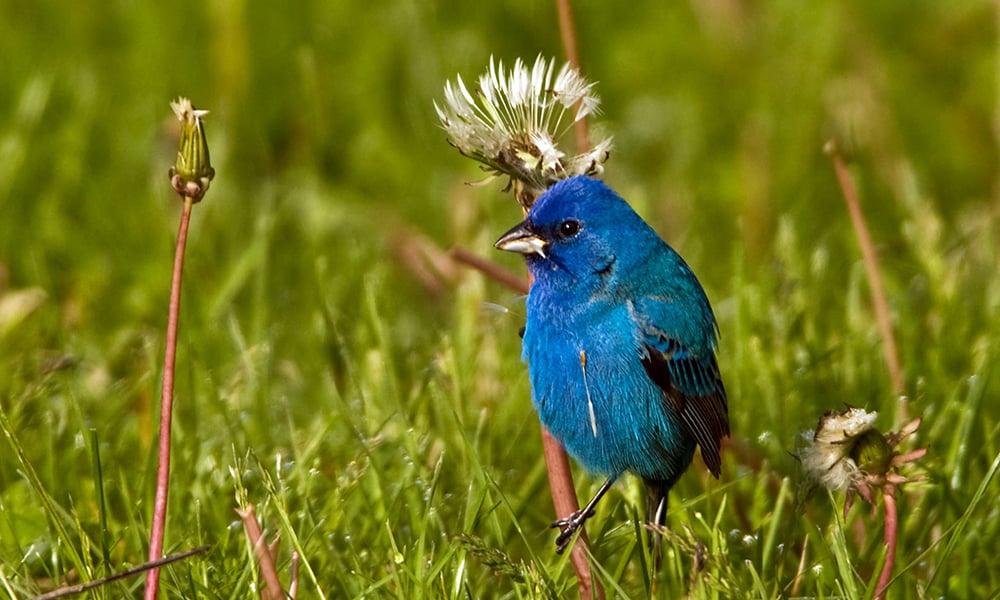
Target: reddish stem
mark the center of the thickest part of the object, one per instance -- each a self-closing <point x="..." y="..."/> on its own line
<point x="567" y="32"/>
<point x="166" y="406"/>
<point x="272" y="589"/>
<point x="891" y="527"/>
<point x="870" y="257"/>
<point x="802" y="567"/>
<point x="293" y="585"/>
<point x="491" y="270"/>
<point x="565" y="502"/>
<point x="556" y="461"/>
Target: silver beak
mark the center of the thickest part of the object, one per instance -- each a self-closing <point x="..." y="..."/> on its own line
<point x="522" y="238"/>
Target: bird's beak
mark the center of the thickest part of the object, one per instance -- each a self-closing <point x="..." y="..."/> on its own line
<point x="522" y="238"/>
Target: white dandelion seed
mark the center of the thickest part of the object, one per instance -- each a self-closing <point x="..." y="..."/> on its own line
<point x="827" y="453"/>
<point x="514" y="121"/>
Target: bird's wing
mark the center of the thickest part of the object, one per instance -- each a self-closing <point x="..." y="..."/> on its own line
<point x="692" y="388"/>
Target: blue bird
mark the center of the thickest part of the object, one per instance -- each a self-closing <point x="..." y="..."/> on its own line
<point x="620" y="343"/>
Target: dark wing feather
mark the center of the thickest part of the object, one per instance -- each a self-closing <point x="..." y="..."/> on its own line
<point x="693" y="389"/>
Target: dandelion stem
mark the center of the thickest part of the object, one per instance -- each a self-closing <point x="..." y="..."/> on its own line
<point x="565" y="502"/>
<point x="166" y="406"/>
<point x="567" y="32"/>
<point x="891" y="527"/>
<point x="512" y="126"/>
<point x="556" y="460"/>
<point x="879" y="302"/>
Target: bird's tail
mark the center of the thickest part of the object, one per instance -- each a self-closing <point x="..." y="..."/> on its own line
<point x="656" y="513"/>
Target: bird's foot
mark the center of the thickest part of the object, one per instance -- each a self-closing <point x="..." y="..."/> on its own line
<point x="569" y="526"/>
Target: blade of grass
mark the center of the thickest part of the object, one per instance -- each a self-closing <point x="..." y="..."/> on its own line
<point x="959" y="454"/>
<point x="841" y="553"/>
<point x="963" y="521"/>
<point x="57" y="517"/>
<point x="288" y="530"/>
<point x="102" y="509"/>
<point x="771" y="537"/>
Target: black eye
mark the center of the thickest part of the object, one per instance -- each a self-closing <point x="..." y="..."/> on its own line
<point x="569" y="228"/>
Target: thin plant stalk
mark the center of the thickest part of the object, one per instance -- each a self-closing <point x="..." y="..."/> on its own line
<point x="272" y="589"/>
<point x="567" y="31"/>
<point x="566" y="503"/>
<point x="491" y="270"/>
<point x="800" y="571"/>
<point x="189" y="177"/>
<point x="870" y="257"/>
<point x="73" y="590"/>
<point x="166" y="405"/>
<point x="293" y="585"/>
<point x="891" y="528"/>
<point x="882" y="316"/>
<point x="556" y="460"/>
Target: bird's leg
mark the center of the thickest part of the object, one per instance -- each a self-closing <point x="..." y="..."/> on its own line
<point x="570" y="524"/>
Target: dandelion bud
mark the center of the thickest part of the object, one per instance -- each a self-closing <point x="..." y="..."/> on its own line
<point x="872" y="453"/>
<point x="192" y="173"/>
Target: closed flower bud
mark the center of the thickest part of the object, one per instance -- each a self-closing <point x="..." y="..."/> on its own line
<point x="872" y="453"/>
<point x="192" y="173"/>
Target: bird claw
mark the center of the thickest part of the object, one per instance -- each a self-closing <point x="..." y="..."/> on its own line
<point x="569" y="527"/>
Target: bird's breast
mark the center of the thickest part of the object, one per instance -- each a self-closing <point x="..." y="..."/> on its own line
<point x="589" y="387"/>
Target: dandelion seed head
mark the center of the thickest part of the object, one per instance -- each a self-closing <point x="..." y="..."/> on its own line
<point x="514" y="120"/>
<point x="826" y="453"/>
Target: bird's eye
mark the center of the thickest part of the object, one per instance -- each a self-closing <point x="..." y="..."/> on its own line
<point x="569" y="228"/>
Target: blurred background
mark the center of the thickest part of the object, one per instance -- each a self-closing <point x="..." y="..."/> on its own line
<point x="316" y="286"/>
<point x="321" y="117"/>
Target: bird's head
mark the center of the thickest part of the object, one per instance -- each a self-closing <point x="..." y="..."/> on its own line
<point x="579" y="227"/>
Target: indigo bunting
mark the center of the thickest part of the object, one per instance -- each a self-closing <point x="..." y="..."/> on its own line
<point x="620" y="343"/>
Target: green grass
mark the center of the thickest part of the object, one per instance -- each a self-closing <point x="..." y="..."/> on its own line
<point x="381" y="424"/>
